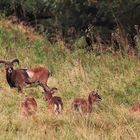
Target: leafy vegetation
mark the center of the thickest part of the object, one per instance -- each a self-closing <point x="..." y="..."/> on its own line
<point x="71" y="19"/>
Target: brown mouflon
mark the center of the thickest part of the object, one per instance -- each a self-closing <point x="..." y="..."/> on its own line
<point x="55" y="104"/>
<point x="135" y="108"/>
<point x="85" y="105"/>
<point x="28" y="106"/>
<point x="20" y="78"/>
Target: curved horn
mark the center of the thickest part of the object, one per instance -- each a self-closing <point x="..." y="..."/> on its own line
<point x="53" y="90"/>
<point x="15" y="60"/>
<point x="3" y="61"/>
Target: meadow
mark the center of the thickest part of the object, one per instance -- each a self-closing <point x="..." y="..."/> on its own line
<point x="75" y="74"/>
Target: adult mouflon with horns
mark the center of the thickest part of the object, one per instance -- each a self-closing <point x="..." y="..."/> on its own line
<point x="15" y="77"/>
<point x="20" y="78"/>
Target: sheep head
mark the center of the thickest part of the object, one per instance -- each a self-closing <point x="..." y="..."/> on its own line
<point x="93" y="97"/>
<point x="48" y="92"/>
<point x="9" y="64"/>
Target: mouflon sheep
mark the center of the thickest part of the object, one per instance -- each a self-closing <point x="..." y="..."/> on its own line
<point x="28" y="106"/>
<point x="55" y="104"/>
<point x="135" y="108"/>
<point x="85" y="105"/>
<point x="20" y="78"/>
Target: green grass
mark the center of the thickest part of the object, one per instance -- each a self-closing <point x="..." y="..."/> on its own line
<point x="75" y="74"/>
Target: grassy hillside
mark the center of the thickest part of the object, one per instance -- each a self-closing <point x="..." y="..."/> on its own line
<point x="75" y="74"/>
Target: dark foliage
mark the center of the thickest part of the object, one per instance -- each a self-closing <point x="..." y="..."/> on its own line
<point x="70" y="19"/>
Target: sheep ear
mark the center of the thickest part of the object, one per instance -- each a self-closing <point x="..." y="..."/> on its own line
<point x="15" y="61"/>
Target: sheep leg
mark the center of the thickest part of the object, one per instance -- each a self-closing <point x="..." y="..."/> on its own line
<point x="32" y="84"/>
<point x="44" y="85"/>
<point x="20" y="90"/>
<point x="20" y="87"/>
<point x="47" y="87"/>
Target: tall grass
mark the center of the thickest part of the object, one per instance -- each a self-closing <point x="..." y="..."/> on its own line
<point x="75" y="74"/>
